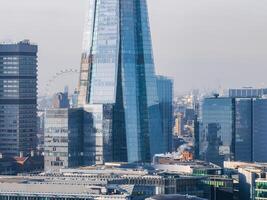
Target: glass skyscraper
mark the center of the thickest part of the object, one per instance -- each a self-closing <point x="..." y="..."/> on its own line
<point x="243" y="129"/>
<point x="165" y="92"/>
<point x="117" y="69"/>
<point x="18" y="98"/>
<point x="259" y="130"/>
<point x="217" y="132"/>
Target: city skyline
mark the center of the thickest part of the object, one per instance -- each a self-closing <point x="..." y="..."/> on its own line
<point x="210" y="41"/>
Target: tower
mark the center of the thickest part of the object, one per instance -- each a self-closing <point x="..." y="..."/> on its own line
<point x="117" y="68"/>
<point x="18" y="98"/>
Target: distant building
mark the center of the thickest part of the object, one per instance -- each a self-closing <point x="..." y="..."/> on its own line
<point x="233" y="129"/>
<point x="248" y="92"/>
<point x="252" y="178"/>
<point x="63" y="138"/>
<point x="40" y="131"/>
<point x="217" y="132"/>
<point x="179" y="124"/>
<point x="174" y="197"/>
<point x="176" y="164"/>
<point x="97" y="128"/>
<point x="18" y="98"/>
<point x="78" y="136"/>
<point x="165" y="93"/>
<point x="243" y="129"/>
<point x="259" y="130"/>
<point x="60" y="100"/>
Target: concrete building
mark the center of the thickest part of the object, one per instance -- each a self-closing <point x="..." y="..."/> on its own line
<point x="249" y="174"/>
<point x="63" y="143"/>
<point x="39" y="188"/>
<point x="174" y="197"/>
<point x="18" y="98"/>
<point x="247" y="92"/>
<point x="78" y="136"/>
<point x="174" y="164"/>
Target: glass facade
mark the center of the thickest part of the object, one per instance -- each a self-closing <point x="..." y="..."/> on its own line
<point x="97" y="126"/>
<point x="259" y="130"/>
<point x="217" y="130"/>
<point x="261" y="189"/>
<point x="165" y="93"/>
<point x="18" y="94"/>
<point x="117" y="68"/>
<point x="243" y="126"/>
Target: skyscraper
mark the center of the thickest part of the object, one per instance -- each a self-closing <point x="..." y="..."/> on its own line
<point x="18" y="94"/>
<point x="117" y="68"/>
<point x="165" y="93"/>
<point x="259" y="130"/>
<point x="217" y="132"/>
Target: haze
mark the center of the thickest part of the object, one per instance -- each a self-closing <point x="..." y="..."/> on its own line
<point x="200" y="43"/>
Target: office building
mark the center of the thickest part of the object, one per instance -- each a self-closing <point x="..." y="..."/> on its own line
<point x="247" y="92"/>
<point x="78" y="136"/>
<point x="259" y="130"/>
<point x="18" y="98"/>
<point x="165" y="93"/>
<point x="117" y="68"/>
<point x="243" y="129"/>
<point x="97" y="138"/>
<point x="60" y="100"/>
<point x="174" y="197"/>
<point x="63" y="145"/>
<point x="233" y="129"/>
<point x="216" y="139"/>
<point x="260" y="189"/>
<point x="251" y="178"/>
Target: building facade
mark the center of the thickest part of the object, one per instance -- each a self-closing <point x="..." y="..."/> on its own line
<point x="78" y="136"/>
<point x="117" y="68"/>
<point x="18" y="98"/>
<point x="259" y="130"/>
<point x="217" y="130"/>
<point x="243" y="129"/>
<point x="238" y="122"/>
<point x="63" y="145"/>
<point x="165" y="93"/>
<point x="247" y="92"/>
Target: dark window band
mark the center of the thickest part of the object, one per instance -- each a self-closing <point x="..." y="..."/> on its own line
<point x="17" y="101"/>
<point x="18" y="53"/>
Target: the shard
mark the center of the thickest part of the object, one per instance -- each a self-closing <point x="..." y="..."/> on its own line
<point x="117" y="69"/>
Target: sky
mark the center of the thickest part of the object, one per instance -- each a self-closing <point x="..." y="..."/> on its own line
<point x="199" y="43"/>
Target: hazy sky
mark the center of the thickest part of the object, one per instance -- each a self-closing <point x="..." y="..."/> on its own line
<point x="200" y="43"/>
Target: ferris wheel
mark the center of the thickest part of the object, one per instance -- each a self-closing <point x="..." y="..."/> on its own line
<point x="57" y="76"/>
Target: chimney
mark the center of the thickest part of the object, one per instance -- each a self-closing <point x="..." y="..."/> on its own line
<point x="21" y="154"/>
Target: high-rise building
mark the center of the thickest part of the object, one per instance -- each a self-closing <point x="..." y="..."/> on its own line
<point x="243" y="129"/>
<point x="247" y="92"/>
<point x="63" y="140"/>
<point x="117" y="68"/>
<point x="238" y="122"/>
<point x="18" y="98"/>
<point x="165" y="93"/>
<point x="60" y="100"/>
<point x="216" y="139"/>
<point x="97" y="125"/>
<point x="259" y="130"/>
<point x="77" y="136"/>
